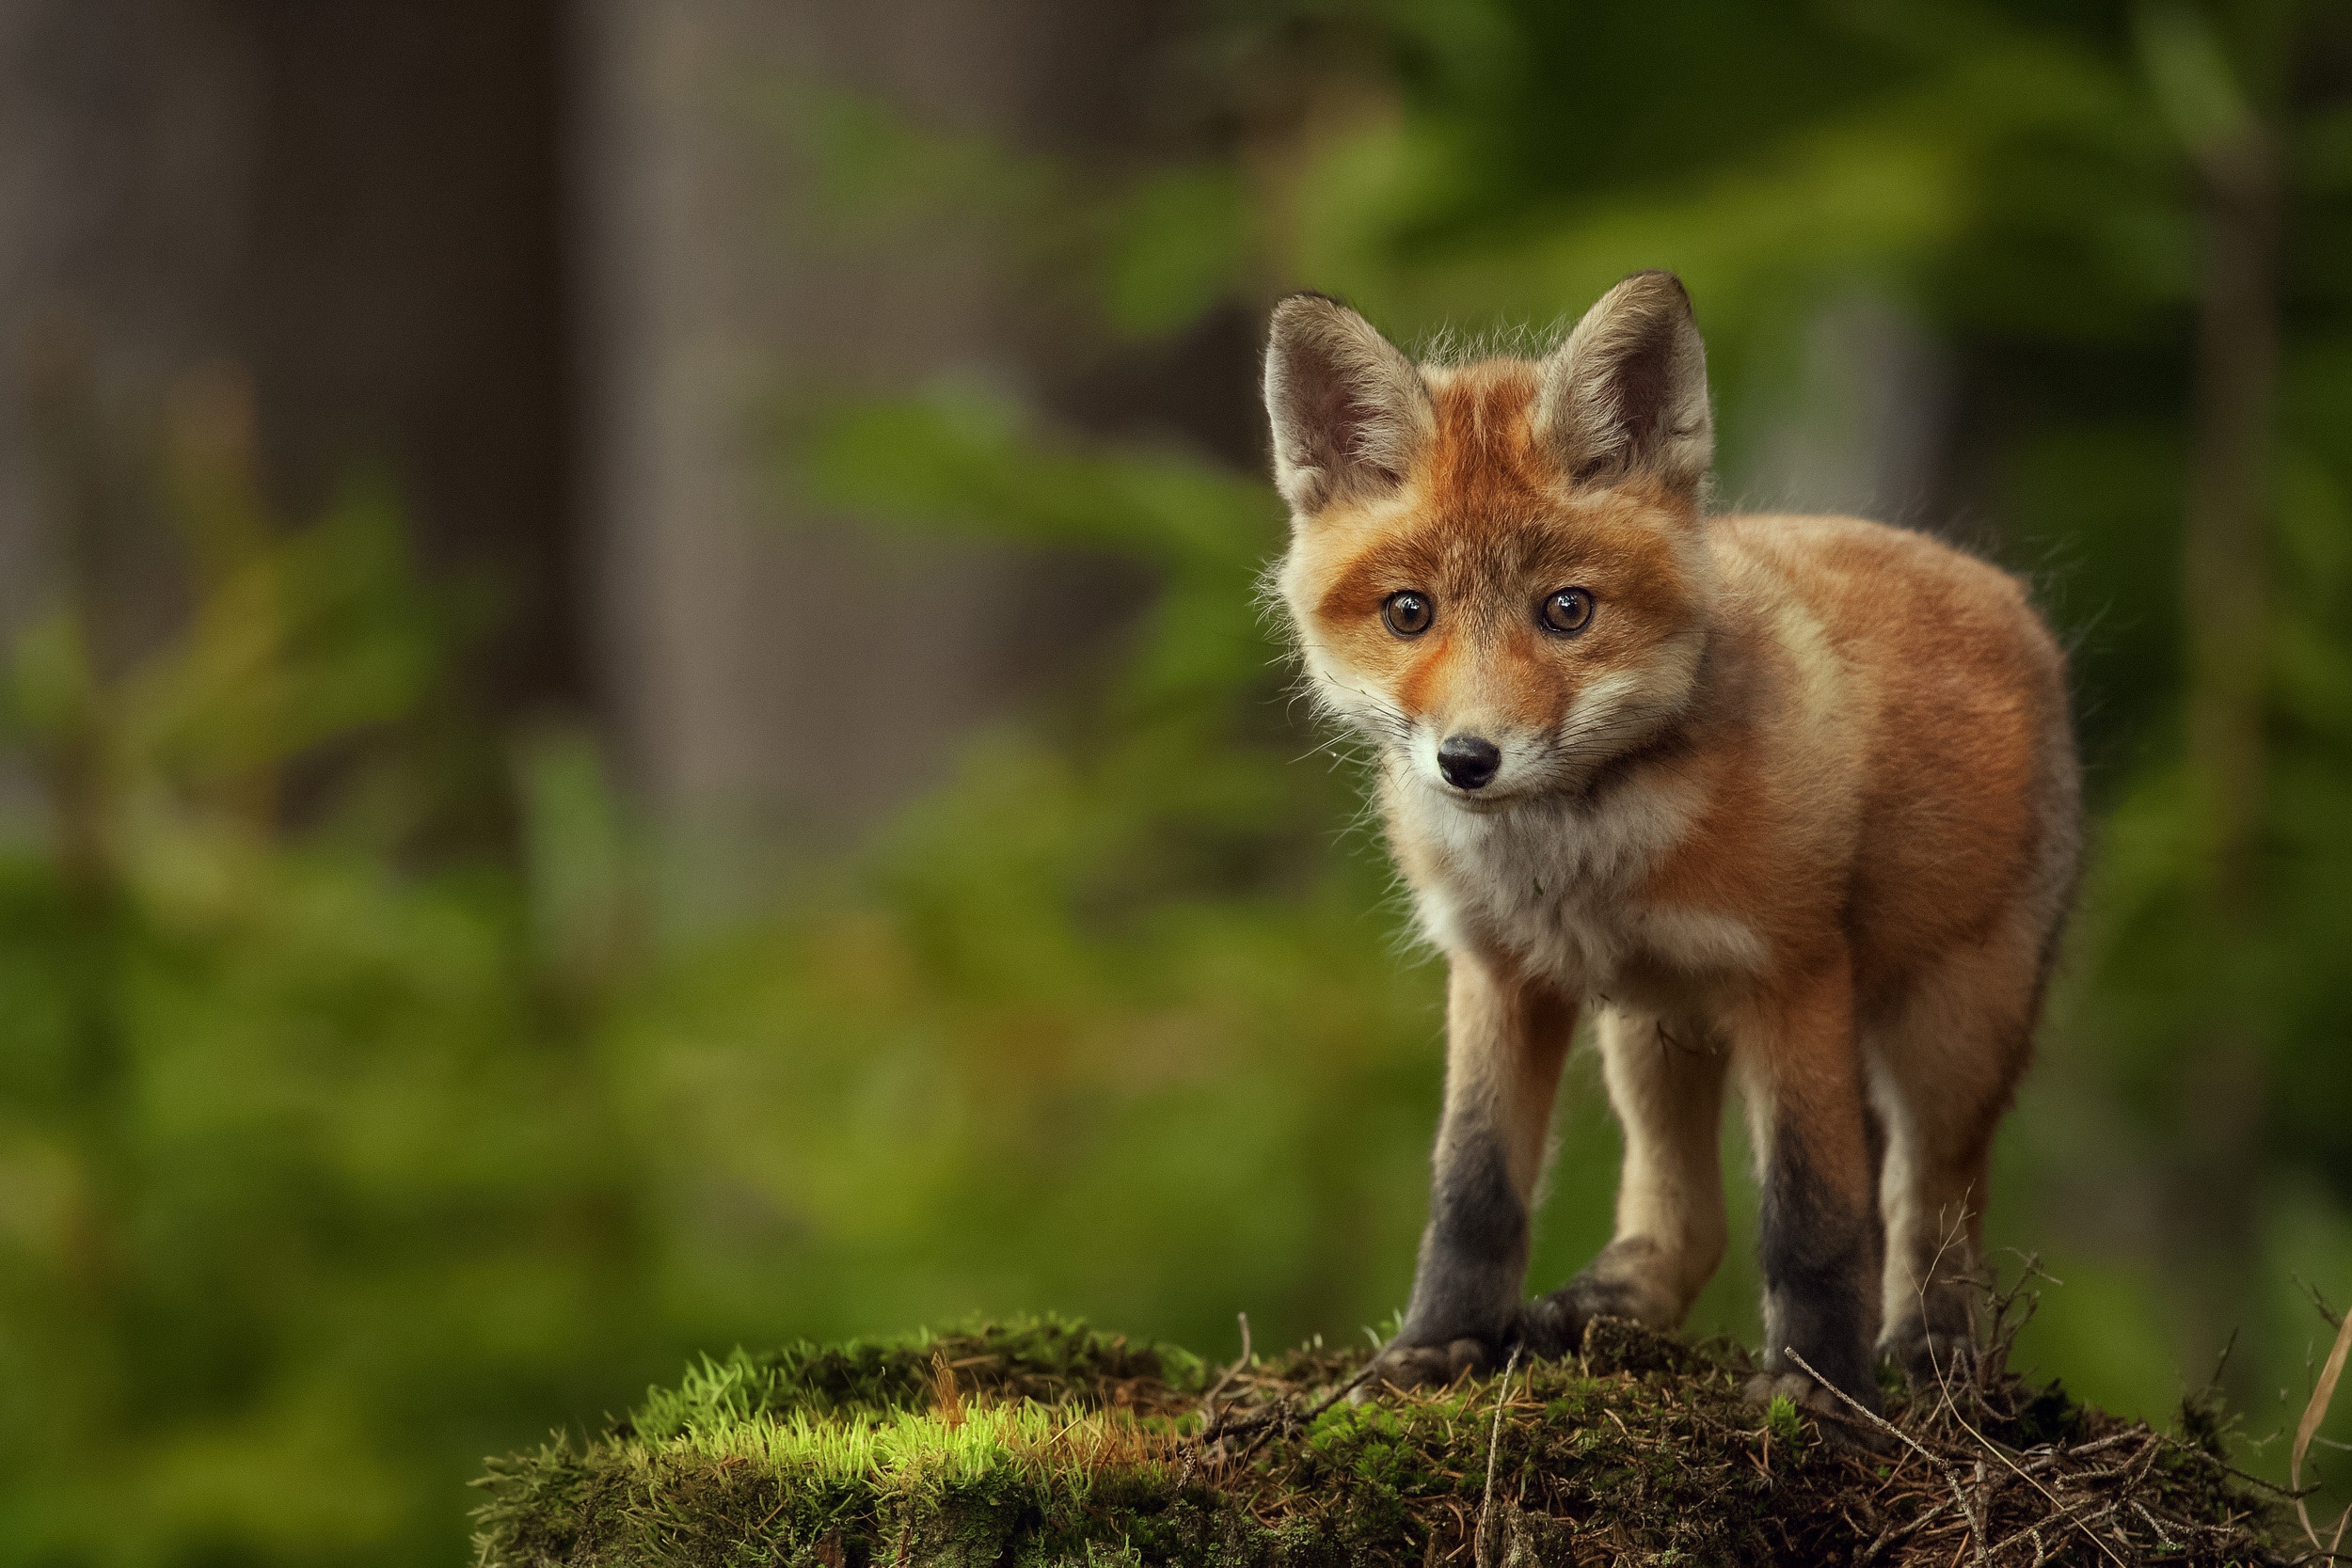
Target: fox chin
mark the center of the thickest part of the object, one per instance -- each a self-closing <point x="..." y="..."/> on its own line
<point x="1784" y="802"/>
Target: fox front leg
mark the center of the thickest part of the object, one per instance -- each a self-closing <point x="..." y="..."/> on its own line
<point x="1667" y="1091"/>
<point x="1506" y="1038"/>
<point x="1819" y="1245"/>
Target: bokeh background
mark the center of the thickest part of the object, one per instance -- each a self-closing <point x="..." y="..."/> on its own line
<point x="634" y="717"/>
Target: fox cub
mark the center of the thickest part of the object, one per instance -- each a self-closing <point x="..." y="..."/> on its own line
<point x="1789" y="801"/>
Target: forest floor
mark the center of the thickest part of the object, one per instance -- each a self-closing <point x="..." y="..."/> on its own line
<point x="1049" y="1443"/>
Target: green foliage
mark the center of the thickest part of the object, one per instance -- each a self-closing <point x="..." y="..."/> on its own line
<point x="305" y="1177"/>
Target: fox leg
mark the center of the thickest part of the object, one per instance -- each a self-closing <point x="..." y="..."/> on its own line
<point x="1801" y="1071"/>
<point x="1933" y="1207"/>
<point x="1943" y="1073"/>
<point x="1667" y="1091"/>
<point x="1506" y="1038"/>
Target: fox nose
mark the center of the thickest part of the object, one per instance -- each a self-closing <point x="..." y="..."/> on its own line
<point x="1469" y="761"/>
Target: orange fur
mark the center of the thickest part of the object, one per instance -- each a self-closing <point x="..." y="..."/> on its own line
<point x="1802" y="792"/>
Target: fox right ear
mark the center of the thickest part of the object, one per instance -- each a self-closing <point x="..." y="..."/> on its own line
<point x="1349" y="411"/>
<point x="1626" y="394"/>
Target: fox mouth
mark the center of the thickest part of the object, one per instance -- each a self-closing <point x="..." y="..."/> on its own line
<point x="1525" y="779"/>
<point x="1483" y="803"/>
<point x="1482" y="800"/>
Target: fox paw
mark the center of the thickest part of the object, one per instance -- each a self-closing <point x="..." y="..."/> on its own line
<point x="1930" y="1357"/>
<point x="1553" y="1326"/>
<point x="1407" y="1367"/>
<point x="1622" y="1282"/>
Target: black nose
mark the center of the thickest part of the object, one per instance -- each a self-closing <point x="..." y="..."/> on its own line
<point x="1469" y="761"/>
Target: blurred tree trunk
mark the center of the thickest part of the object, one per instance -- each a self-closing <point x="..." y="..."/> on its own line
<point x="360" y="205"/>
<point x="781" y="678"/>
<point x="405" y="298"/>
<point x="2224" y="558"/>
<point x="2224" y="613"/>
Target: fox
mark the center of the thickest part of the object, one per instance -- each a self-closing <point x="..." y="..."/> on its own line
<point x="1787" y="804"/>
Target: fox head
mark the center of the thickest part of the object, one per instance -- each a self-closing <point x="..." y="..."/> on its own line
<point x="1497" y="569"/>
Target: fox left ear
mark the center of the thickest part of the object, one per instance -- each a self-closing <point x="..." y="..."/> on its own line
<point x="1626" y="394"/>
<point x="1349" y="411"/>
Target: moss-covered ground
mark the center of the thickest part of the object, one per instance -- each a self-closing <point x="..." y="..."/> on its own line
<point x="1048" y="1443"/>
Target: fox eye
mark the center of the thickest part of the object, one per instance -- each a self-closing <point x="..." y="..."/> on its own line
<point x="1568" y="612"/>
<point x="1409" y="613"/>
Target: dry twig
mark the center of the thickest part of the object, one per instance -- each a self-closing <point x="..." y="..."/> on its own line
<point x="1881" y="1423"/>
<point x="2323" y="1394"/>
<point x="1494" y="1444"/>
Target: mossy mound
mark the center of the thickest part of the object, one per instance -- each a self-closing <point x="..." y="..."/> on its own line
<point x="1047" y="1443"/>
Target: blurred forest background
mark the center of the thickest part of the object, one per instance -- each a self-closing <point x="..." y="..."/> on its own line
<point x="634" y="719"/>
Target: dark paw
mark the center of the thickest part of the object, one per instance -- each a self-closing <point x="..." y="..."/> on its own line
<point x="1554" y="1325"/>
<point x="1407" y="1367"/>
<point x="1931" y="1359"/>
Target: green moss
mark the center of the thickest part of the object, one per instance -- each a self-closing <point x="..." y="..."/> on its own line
<point x="1046" y="1361"/>
<point x="1782" y="1419"/>
<point x="1047" y="1443"/>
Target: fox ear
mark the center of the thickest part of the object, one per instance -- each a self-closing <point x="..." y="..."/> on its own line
<point x="1349" y="411"/>
<point x="1626" y="394"/>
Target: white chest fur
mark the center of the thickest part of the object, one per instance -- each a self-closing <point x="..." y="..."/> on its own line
<point x="1562" y="888"/>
